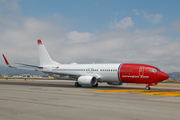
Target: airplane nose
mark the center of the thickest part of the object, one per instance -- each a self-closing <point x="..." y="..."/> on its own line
<point x="163" y="76"/>
<point x="166" y="76"/>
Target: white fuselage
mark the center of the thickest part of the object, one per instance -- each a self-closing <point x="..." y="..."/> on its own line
<point x="107" y="72"/>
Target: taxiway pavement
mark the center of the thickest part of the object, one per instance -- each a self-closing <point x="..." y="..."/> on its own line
<point x="45" y="99"/>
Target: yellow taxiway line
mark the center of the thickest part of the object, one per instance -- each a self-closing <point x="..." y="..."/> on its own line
<point x="173" y="93"/>
<point x="121" y="90"/>
<point x="178" y="85"/>
<point x="161" y="92"/>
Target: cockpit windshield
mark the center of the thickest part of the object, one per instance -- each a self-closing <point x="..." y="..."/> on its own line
<point x="154" y="70"/>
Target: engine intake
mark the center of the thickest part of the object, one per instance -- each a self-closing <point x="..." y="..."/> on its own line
<point x="87" y="80"/>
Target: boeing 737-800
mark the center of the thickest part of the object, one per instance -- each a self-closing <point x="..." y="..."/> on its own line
<point x="92" y="74"/>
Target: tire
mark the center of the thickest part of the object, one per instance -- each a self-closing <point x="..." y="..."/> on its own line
<point x="96" y="85"/>
<point x="148" y="88"/>
<point x="77" y="84"/>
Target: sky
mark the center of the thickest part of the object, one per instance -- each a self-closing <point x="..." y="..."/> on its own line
<point x="92" y="31"/>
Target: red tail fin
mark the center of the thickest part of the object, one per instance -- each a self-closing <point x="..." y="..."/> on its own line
<point x="39" y="42"/>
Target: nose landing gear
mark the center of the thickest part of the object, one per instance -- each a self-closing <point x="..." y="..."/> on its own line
<point x="148" y="88"/>
<point x="150" y="84"/>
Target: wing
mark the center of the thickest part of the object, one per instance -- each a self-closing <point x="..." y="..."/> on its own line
<point x="50" y="73"/>
<point x="29" y="65"/>
<point x="62" y="74"/>
<point x="7" y="63"/>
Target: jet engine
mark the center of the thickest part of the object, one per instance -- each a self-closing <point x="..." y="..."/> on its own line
<point x="87" y="80"/>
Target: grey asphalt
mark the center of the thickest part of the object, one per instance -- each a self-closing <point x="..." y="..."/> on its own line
<point x="60" y="100"/>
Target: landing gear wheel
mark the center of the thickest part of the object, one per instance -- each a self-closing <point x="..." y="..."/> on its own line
<point x="96" y="85"/>
<point x="148" y="88"/>
<point x="77" y="84"/>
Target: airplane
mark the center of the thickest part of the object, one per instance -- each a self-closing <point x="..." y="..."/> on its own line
<point x="92" y="74"/>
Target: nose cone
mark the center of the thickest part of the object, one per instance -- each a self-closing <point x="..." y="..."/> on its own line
<point x="163" y="76"/>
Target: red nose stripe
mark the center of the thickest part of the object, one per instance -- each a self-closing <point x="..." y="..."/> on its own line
<point x="166" y="76"/>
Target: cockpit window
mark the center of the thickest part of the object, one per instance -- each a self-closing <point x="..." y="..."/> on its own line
<point x="153" y="70"/>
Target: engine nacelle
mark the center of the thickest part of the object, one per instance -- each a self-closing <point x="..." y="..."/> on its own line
<point x="114" y="83"/>
<point x="87" y="80"/>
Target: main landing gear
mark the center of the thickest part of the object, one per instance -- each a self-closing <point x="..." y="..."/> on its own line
<point x="96" y="85"/>
<point x="77" y="84"/>
<point x="148" y="88"/>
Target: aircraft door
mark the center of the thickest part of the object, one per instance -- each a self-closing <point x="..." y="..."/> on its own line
<point x="141" y="73"/>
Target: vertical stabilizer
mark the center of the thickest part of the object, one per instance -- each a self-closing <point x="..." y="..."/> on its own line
<point x="44" y="57"/>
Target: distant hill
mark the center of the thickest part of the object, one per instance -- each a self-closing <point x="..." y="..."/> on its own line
<point x="4" y="70"/>
<point x="174" y="75"/>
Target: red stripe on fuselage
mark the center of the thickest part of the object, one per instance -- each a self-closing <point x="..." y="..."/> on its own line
<point x="140" y="73"/>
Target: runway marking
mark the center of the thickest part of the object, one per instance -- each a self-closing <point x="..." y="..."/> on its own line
<point x="161" y="92"/>
<point x="121" y="90"/>
<point x="161" y="85"/>
<point x="173" y="93"/>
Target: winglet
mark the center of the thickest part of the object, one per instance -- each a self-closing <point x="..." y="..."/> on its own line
<point x="7" y="63"/>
